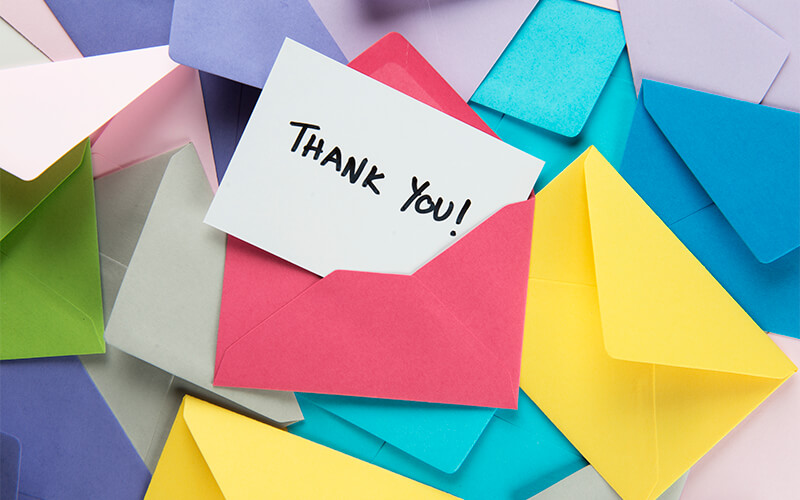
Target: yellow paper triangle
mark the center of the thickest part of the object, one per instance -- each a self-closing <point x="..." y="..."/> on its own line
<point x="249" y="459"/>
<point x="658" y="304"/>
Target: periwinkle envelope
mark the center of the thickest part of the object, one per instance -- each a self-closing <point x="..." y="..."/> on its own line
<point x="240" y="40"/>
<point x="101" y="27"/>
<point x="518" y="455"/>
<point x="724" y="175"/>
<point x="71" y="446"/>
<point x="606" y="128"/>
<point x="554" y="69"/>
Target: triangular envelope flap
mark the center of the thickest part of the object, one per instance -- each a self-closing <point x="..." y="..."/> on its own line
<point x="392" y="60"/>
<point x="19" y="198"/>
<point x="51" y="259"/>
<point x="250" y="458"/>
<point x="10" y="460"/>
<point x="73" y="99"/>
<point x="483" y="280"/>
<point x="746" y="156"/>
<point x="658" y="304"/>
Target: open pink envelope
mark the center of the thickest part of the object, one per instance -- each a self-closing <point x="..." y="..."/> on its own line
<point x="450" y="333"/>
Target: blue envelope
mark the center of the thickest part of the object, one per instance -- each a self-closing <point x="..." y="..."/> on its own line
<point x="606" y="128"/>
<point x="101" y="27"/>
<point x="724" y="175"/>
<point x="240" y="40"/>
<point x="519" y="454"/>
<point x="9" y="466"/>
<point x="63" y="439"/>
<point x="552" y="72"/>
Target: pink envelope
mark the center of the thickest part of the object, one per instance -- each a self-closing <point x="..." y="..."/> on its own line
<point x="167" y="116"/>
<point x="449" y="333"/>
<point x="34" y="20"/>
<point x="759" y="459"/>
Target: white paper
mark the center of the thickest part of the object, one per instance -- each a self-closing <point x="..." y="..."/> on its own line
<point x="313" y="216"/>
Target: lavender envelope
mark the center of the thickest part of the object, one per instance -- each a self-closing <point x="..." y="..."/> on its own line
<point x="71" y="446"/>
<point x="240" y="40"/>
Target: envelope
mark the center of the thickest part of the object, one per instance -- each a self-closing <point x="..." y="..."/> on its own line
<point x="251" y="459"/>
<point x="34" y="20"/>
<point x="89" y="93"/>
<point x="174" y="273"/>
<point x="632" y="349"/>
<point x="462" y="40"/>
<point x="439" y="435"/>
<point x="781" y="17"/>
<point x="587" y="484"/>
<point x="169" y="114"/>
<point x="758" y="459"/>
<point x="241" y="40"/>
<point x="9" y="466"/>
<point x="519" y="454"/>
<point x="719" y="48"/>
<point x="552" y="72"/>
<point x="674" y="160"/>
<point x="70" y="445"/>
<point x="606" y="4"/>
<point x="606" y="128"/>
<point x="53" y="212"/>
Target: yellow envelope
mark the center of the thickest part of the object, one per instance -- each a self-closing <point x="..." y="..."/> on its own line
<point x="215" y="454"/>
<point x="631" y="347"/>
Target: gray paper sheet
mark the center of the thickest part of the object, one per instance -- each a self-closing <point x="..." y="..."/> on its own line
<point x="587" y="484"/>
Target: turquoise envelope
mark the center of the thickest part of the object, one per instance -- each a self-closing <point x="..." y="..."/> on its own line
<point x="606" y="128"/>
<point x="519" y="453"/>
<point x="724" y="175"/>
<point x="552" y="72"/>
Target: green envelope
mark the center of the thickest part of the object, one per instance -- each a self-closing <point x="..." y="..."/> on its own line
<point x="50" y="299"/>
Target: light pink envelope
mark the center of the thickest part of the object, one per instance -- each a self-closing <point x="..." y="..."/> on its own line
<point x="710" y="45"/>
<point x="167" y="116"/>
<point x="760" y="458"/>
<point x="34" y="20"/>
<point x="46" y="109"/>
<point x="461" y="39"/>
<point x="606" y="4"/>
<point x="782" y="17"/>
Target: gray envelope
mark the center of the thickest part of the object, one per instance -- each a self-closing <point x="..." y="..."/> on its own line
<point x="587" y="484"/>
<point x="167" y="306"/>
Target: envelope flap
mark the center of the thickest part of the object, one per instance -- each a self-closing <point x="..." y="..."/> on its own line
<point x="737" y="151"/>
<point x="249" y="457"/>
<point x="393" y="61"/>
<point x="10" y="461"/>
<point x="658" y="304"/>
<point x="19" y="198"/>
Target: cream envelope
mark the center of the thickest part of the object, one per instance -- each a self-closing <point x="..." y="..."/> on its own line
<point x="46" y="109"/>
<point x="15" y="50"/>
<point x="212" y="453"/>
<point x="631" y="347"/>
<point x="167" y="309"/>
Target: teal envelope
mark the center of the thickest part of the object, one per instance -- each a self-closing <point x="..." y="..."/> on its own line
<point x="519" y="453"/>
<point x="724" y="175"/>
<point x="606" y="128"/>
<point x="552" y="72"/>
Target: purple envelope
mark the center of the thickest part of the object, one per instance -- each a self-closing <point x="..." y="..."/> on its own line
<point x="240" y="40"/>
<point x="70" y="446"/>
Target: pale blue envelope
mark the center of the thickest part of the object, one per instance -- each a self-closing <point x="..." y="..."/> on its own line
<point x="552" y="72"/>
<point x="724" y="175"/>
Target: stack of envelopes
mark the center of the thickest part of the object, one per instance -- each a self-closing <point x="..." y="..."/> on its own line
<point x="358" y="249"/>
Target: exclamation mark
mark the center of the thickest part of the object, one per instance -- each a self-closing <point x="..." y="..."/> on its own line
<point x="461" y="215"/>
